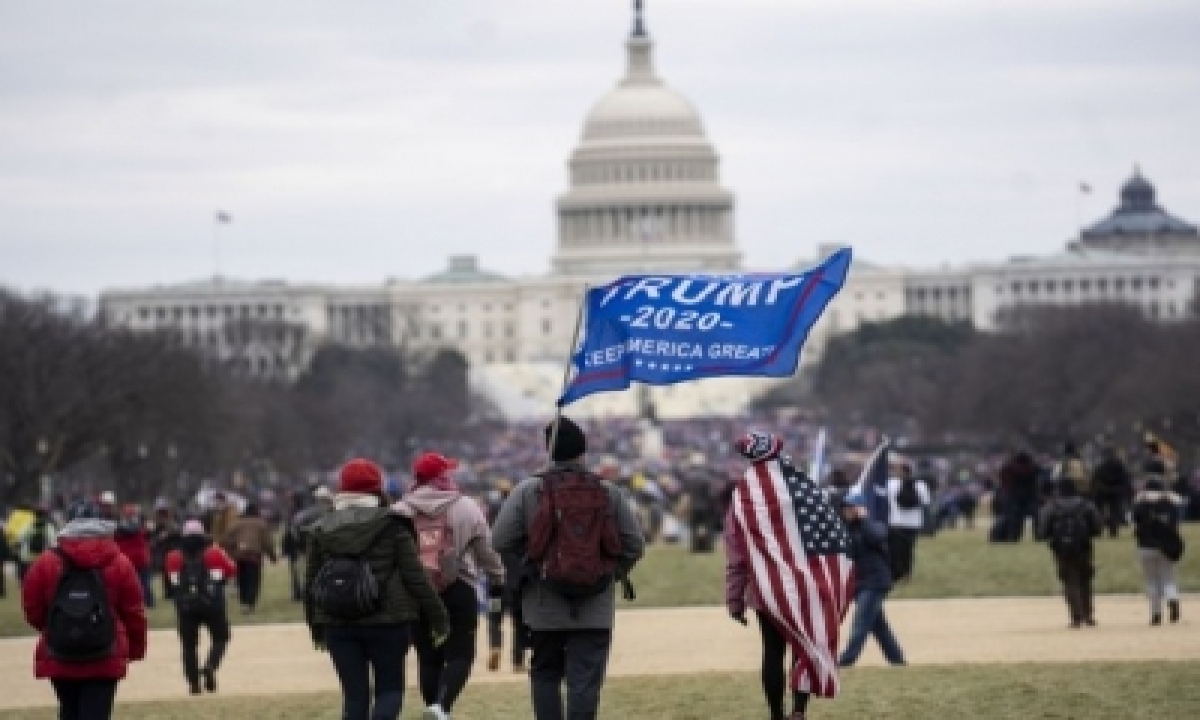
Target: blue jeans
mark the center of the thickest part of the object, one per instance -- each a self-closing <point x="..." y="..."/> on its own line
<point x="360" y="651"/>
<point x="146" y="577"/>
<point x="869" y="619"/>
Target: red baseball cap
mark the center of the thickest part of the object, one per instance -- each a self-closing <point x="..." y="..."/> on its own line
<point x="430" y="465"/>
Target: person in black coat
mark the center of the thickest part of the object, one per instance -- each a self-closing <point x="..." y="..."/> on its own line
<point x="873" y="582"/>
<point x="1112" y="487"/>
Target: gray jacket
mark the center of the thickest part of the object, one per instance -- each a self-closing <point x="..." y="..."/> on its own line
<point x="543" y="608"/>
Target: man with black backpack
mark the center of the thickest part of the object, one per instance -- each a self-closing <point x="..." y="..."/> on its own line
<point x="579" y="538"/>
<point x="1068" y="523"/>
<point x="908" y="497"/>
<point x="85" y="601"/>
<point x="198" y="571"/>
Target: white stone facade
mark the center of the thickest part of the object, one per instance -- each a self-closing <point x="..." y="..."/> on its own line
<point x="645" y="196"/>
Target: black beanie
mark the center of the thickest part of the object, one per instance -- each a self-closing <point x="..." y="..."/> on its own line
<point x="569" y="443"/>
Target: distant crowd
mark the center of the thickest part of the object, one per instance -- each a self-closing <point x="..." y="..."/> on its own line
<point x="382" y="564"/>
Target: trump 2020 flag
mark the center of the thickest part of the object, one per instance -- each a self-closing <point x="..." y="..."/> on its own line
<point x="665" y="329"/>
<point x="873" y="483"/>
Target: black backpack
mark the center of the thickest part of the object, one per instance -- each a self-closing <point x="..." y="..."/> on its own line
<point x="39" y="538"/>
<point x="80" y="626"/>
<point x="346" y="589"/>
<point x="1070" y="533"/>
<point x="907" y="496"/>
<point x="196" y="591"/>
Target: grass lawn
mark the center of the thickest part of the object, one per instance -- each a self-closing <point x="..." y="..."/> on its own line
<point x="1159" y="690"/>
<point x="953" y="564"/>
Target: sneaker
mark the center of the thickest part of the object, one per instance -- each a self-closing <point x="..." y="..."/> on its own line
<point x="210" y="679"/>
<point x="494" y="660"/>
<point x="1090" y="622"/>
<point x="1173" y="608"/>
<point x="1074" y="625"/>
<point x="193" y="688"/>
<point x="435" y="712"/>
<point x="1156" y="619"/>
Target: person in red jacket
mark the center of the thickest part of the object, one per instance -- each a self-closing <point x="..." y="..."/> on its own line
<point x="134" y="541"/>
<point x="87" y="690"/>
<point x="198" y="571"/>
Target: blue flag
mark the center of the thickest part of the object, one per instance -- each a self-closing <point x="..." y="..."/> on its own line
<point x="873" y="483"/>
<point x="665" y="329"/>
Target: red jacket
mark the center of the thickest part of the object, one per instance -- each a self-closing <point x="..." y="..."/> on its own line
<point x="134" y="545"/>
<point x="214" y="559"/>
<point x="124" y="598"/>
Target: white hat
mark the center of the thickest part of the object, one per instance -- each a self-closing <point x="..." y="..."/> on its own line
<point x="108" y="497"/>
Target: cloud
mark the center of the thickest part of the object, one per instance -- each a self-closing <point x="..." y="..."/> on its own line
<point x="355" y="141"/>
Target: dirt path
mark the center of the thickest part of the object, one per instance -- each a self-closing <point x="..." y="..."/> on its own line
<point x="279" y="659"/>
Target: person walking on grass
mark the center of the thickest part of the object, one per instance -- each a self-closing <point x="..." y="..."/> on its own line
<point x="1068" y="523"/>
<point x="38" y="537"/>
<point x="909" y="496"/>
<point x="510" y="601"/>
<point x="454" y="544"/>
<point x="1112" y="487"/>
<point x="365" y="590"/>
<point x="1160" y="546"/>
<point x="85" y="601"/>
<point x="780" y="531"/>
<point x="872" y="583"/>
<point x="197" y="570"/>
<point x="561" y="517"/>
<point x="249" y="540"/>
<point x="134" y="541"/>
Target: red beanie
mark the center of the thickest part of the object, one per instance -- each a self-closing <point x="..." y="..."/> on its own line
<point x="360" y="476"/>
<point x="431" y="465"/>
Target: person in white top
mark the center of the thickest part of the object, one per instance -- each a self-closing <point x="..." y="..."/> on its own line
<point x="907" y="499"/>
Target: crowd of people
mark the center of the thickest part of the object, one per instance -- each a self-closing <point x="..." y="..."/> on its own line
<point x="379" y="572"/>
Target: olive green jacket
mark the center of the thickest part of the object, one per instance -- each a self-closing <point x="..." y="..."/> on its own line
<point x="386" y="542"/>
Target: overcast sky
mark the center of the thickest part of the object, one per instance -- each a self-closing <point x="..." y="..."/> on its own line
<point x="353" y="141"/>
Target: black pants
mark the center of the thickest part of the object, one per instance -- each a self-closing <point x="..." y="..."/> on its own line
<point x="360" y="651"/>
<point x="444" y="670"/>
<point x="249" y="582"/>
<point x="1076" y="571"/>
<point x="578" y="656"/>
<point x="520" y="643"/>
<point x="85" y="699"/>
<point x="216" y="621"/>
<point x="902" y="550"/>
<point x="295" y="571"/>
<point x="774" y="671"/>
<point x="1112" y="511"/>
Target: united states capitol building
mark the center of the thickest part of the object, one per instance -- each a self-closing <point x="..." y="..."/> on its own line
<point x="645" y="195"/>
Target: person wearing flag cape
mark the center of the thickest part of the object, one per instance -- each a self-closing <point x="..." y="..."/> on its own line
<point x="787" y="559"/>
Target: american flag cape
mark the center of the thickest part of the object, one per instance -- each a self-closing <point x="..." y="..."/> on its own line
<point x="797" y="547"/>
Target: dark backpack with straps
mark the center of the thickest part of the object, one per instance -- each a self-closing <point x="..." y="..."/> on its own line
<point x="196" y="591"/>
<point x="907" y="497"/>
<point x="1071" y="532"/>
<point x="80" y="627"/>
<point x="573" y="540"/>
<point x="346" y="588"/>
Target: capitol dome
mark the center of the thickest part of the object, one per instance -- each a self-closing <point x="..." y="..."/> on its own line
<point x="642" y="106"/>
<point x="645" y="182"/>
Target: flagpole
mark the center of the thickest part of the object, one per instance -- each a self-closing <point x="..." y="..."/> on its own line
<point x="567" y="372"/>
<point x="216" y="246"/>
